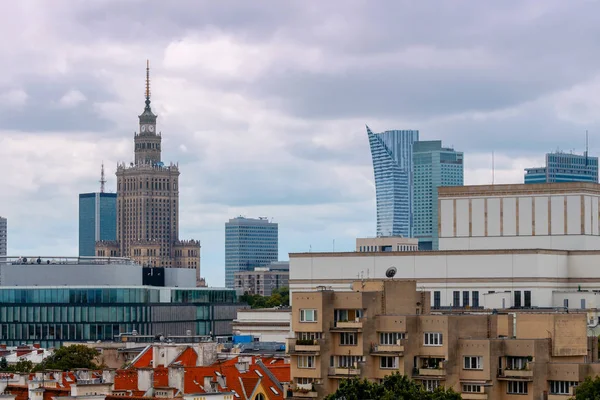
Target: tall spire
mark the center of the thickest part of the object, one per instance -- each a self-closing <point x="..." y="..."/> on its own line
<point x="102" y="179"/>
<point x="147" y="84"/>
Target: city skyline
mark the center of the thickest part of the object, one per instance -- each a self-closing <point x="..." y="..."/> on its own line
<point x="280" y="134"/>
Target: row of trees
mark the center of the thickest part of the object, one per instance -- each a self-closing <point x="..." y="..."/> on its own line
<point x="65" y="359"/>
<point x="279" y="297"/>
<point x="398" y="386"/>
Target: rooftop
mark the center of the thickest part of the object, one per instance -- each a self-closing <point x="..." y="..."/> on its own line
<point x="519" y="189"/>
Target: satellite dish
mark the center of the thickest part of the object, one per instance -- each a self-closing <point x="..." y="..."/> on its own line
<point x="391" y="272"/>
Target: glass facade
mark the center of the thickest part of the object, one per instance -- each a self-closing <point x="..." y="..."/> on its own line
<point x="391" y="152"/>
<point x="3" y="236"/>
<point x="97" y="220"/>
<point x="562" y="167"/>
<point x="249" y="243"/>
<point x="52" y="315"/>
<point x="434" y="166"/>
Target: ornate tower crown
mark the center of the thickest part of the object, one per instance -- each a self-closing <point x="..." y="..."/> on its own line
<point x="147" y="117"/>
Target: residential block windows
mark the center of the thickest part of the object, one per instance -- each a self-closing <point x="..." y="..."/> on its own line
<point x="516" y="387"/>
<point x="473" y="362"/>
<point x="387" y="362"/>
<point x="348" y="339"/>
<point x="430" y="385"/>
<point x="306" y="361"/>
<point x="308" y="335"/>
<point x="391" y="337"/>
<point x="561" y="387"/>
<point x="432" y="339"/>
<point x="308" y="315"/>
<point x="471" y="389"/>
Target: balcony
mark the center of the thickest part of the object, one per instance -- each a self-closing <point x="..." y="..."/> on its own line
<point x="340" y="372"/>
<point x="302" y="346"/>
<point x="474" y="396"/>
<point x="439" y="372"/>
<point x="347" y="326"/>
<point x="516" y="374"/>
<point x="304" y="391"/>
<point x="387" y="349"/>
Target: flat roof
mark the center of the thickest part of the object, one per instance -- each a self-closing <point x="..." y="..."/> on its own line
<point x="443" y="253"/>
<point x="519" y="189"/>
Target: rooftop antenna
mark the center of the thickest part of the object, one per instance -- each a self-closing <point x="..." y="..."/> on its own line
<point x="102" y="179"/>
<point x="147" y="79"/>
<point x="586" y="147"/>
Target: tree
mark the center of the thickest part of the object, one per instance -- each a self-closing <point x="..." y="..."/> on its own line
<point x="279" y="297"/>
<point x="69" y="358"/>
<point x="22" y="366"/>
<point x="3" y="364"/>
<point x="394" y="386"/>
<point x="589" y="389"/>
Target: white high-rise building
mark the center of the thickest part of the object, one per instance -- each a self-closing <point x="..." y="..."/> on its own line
<point x="3" y="236"/>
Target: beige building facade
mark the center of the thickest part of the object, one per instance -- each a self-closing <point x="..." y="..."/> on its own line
<point x="386" y="243"/>
<point x="148" y="205"/>
<point x="385" y="326"/>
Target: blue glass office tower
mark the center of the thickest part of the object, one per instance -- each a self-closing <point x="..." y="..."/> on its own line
<point x="97" y="220"/>
<point x="249" y="243"/>
<point x="392" y="165"/>
<point x="434" y="166"/>
<point x="563" y="167"/>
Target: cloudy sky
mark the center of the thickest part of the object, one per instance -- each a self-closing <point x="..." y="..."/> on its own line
<point x="264" y="103"/>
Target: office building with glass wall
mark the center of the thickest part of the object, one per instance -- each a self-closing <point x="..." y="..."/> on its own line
<point x="249" y="243"/>
<point x="434" y="166"/>
<point x="97" y="221"/>
<point x="564" y="167"/>
<point x="391" y="152"/>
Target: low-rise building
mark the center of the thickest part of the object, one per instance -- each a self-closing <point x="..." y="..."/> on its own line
<point x="386" y="243"/>
<point x="385" y="326"/>
<point x="262" y="281"/>
<point x="265" y="324"/>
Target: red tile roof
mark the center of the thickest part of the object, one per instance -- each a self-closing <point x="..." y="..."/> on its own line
<point x="187" y="358"/>
<point x="126" y="379"/>
<point x="161" y="377"/>
<point x="144" y="359"/>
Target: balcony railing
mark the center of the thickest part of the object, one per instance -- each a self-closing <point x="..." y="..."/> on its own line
<point x="525" y="373"/>
<point x="432" y="371"/>
<point x="343" y="372"/>
<point x="474" y="396"/>
<point x="304" y="391"/>
<point x="304" y="346"/>
<point x="387" y="348"/>
<point x="347" y="325"/>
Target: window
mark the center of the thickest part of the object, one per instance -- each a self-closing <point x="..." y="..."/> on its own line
<point x="566" y="303"/>
<point x="466" y="298"/>
<point x="430" y="385"/>
<point x="306" y="361"/>
<point x="432" y="339"/>
<point x="437" y="299"/>
<point x="456" y="298"/>
<point x="561" y="387"/>
<point x="516" y="387"/>
<point x="527" y="299"/>
<point x="391" y="337"/>
<point x="308" y="335"/>
<point x="515" y="363"/>
<point x="518" y="298"/>
<point x="308" y="315"/>
<point x="348" y="361"/>
<point x="348" y="339"/>
<point x="387" y="362"/>
<point x="471" y="362"/>
<point x="583" y="304"/>
<point x="472" y="389"/>
<point x="475" y="296"/>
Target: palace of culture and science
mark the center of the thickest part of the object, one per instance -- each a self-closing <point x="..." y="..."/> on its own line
<point x="148" y="206"/>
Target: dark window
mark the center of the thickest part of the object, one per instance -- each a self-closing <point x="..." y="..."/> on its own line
<point x="475" y="295"/>
<point x="466" y="298"/>
<point x="517" y="299"/>
<point x="436" y="299"/>
<point x="456" y="298"/>
<point x="528" y="299"/>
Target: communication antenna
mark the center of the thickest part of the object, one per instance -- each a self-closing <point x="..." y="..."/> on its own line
<point x="102" y="179"/>
<point x="586" y="147"/>
<point x="391" y="272"/>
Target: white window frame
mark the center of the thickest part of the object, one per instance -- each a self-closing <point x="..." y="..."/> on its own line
<point x="516" y="387"/>
<point x="430" y="384"/>
<point x="306" y="312"/>
<point x="470" y="388"/>
<point x="432" y="339"/>
<point x="473" y="362"/>
<point x="308" y="335"/>
<point x="388" y="363"/>
<point x="562" y="387"/>
<point x="389" y="338"/>
<point x="306" y="362"/>
<point x="348" y="339"/>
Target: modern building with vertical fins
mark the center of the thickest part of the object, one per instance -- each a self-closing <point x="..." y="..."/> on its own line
<point x="564" y="167"/>
<point x="249" y="243"/>
<point x="97" y="221"/>
<point x="3" y="236"/>
<point x="393" y="165"/>
<point x="434" y="166"/>
<point x="148" y="205"/>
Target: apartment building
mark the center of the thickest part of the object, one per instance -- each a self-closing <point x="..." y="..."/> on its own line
<point x="385" y="326"/>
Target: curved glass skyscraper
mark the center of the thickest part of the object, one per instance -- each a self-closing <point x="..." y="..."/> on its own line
<point x="393" y="165"/>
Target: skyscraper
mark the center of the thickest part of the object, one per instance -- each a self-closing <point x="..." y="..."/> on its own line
<point x="564" y="167"/>
<point x="249" y="243"/>
<point x="3" y="236"/>
<point x="148" y="205"/>
<point x="393" y="164"/>
<point x="97" y="221"/>
<point x="434" y="166"/>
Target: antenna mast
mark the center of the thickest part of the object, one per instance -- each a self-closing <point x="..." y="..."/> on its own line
<point x="102" y="179"/>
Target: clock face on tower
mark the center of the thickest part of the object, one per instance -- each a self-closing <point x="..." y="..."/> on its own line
<point x="151" y="128"/>
<point x="143" y="128"/>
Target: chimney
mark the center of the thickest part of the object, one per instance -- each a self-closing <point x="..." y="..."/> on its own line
<point x="108" y="376"/>
<point x="176" y="373"/>
<point x="242" y="366"/>
<point x="145" y="379"/>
